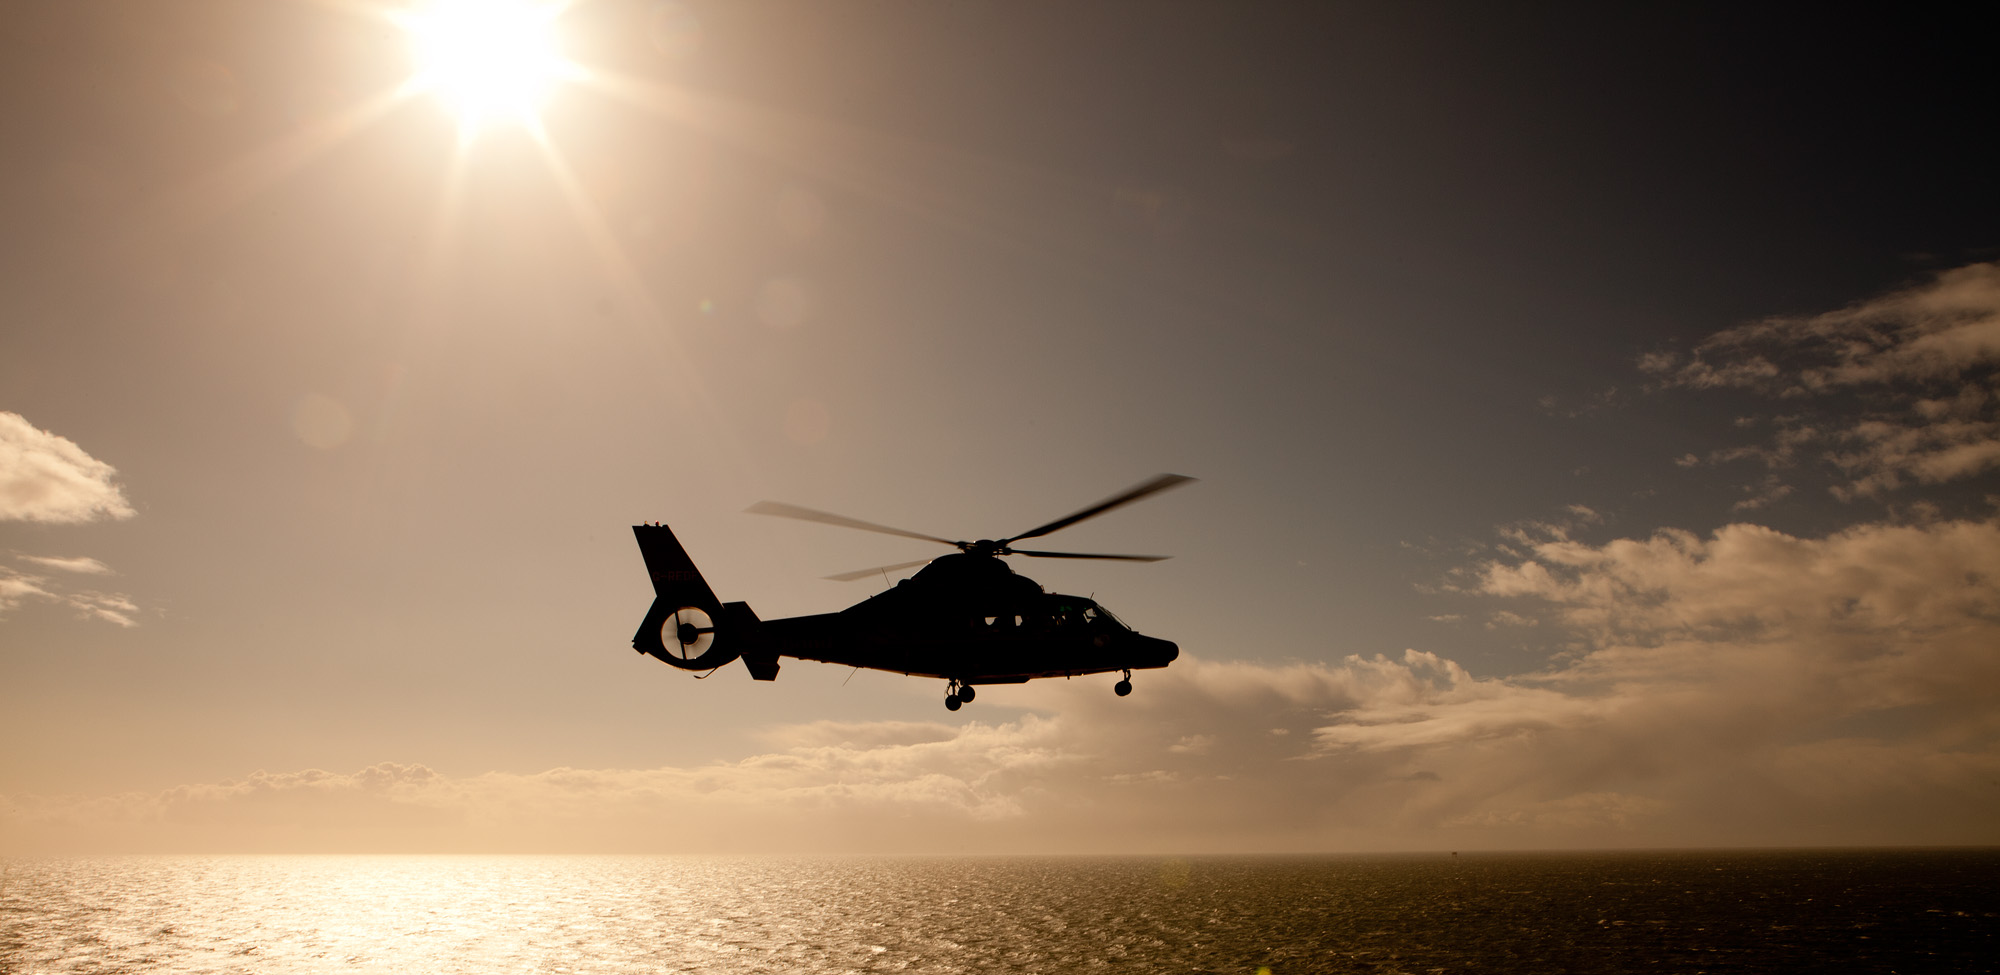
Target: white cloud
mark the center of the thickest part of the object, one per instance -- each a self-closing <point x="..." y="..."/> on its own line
<point x="81" y="564"/>
<point x="1879" y="586"/>
<point x="18" y="587"/>
<point x="47" y="478"/>
<point x="1924" y="362"/>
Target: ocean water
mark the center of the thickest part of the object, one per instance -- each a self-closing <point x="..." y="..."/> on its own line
<point x="1847" y="911"/>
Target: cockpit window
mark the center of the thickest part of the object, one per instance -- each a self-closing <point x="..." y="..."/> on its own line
<point x="1078" y="611"/>
<point x="1099" y="616"/>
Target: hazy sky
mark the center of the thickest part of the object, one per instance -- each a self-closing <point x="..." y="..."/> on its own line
<point x="1595" y="411"/>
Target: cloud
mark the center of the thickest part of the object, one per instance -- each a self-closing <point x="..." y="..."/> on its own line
<point x="1913" y="376"/>
<point x="81" y="564"/>
<point x="1743" y="687"/>
<point x="1762" y="494"/>
<point x="1837" y="679"/>
<point x="1871" y="586"/>
<point x="862" y="734"/>
<point x="47" y="478"/>
<point x="1935" y="333"/>
<point x="1880" y="455"/>
<point x="18" y="587"/>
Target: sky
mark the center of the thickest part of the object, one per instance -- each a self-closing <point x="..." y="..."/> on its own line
<point x="1594" y="412"/>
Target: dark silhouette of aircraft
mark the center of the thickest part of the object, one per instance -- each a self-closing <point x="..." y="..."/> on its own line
<point x="966" y="617"/>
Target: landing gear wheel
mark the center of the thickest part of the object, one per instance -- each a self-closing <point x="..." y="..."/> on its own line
<point x="965" y="693"/>
<point x="951" y="703"/>
<point x="1123" y="687"/>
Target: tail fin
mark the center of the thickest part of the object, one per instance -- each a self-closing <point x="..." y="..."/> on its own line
<point x="687" y="626"/>
<point x="674" y="576"/>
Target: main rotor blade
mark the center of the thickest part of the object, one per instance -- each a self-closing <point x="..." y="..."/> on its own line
<point x="1153" y="486"/>
<point x="865" y="573"/>
<point x="807" y="514"/>
<point x="1084" y="555"/>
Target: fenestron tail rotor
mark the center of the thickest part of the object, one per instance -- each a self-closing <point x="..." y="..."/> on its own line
<point x="688" y="633"/>
<point x="984" y="546"/>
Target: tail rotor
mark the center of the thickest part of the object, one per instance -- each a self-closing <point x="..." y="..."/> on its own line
<point x="688" y="633"/>
<point x="681" y="627"/>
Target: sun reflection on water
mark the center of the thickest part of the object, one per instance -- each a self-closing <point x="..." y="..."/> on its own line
<point x="1758" y="912"/>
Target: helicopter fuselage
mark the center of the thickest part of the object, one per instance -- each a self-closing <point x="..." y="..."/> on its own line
<point x="967" y="618"/>
<point x="994" y="649"/>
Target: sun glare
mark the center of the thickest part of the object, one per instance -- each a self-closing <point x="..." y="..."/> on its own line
<point x="487" y="59"/>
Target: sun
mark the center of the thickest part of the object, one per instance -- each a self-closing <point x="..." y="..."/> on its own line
<point x="487" y="59"/>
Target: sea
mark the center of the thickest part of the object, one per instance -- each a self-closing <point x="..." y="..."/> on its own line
<point x="1764" y="911"/>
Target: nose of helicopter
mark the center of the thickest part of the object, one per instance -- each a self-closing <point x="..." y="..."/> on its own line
<point x="1157" y="652"/>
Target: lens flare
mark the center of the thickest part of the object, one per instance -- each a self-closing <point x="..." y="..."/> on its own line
<point x="487" y="59"/>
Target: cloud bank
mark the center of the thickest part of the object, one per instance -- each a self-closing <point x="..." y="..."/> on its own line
<point x="1746" y="687"/>
<point x="47" y="478"/>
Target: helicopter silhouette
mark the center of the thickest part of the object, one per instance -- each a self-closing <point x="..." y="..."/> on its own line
<point x="967" y="617"/>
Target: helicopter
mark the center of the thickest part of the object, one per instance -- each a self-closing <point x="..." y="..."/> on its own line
<point x="966" y="617"/>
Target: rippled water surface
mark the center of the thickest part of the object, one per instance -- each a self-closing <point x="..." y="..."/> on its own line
<point x="1657" y="912"/>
